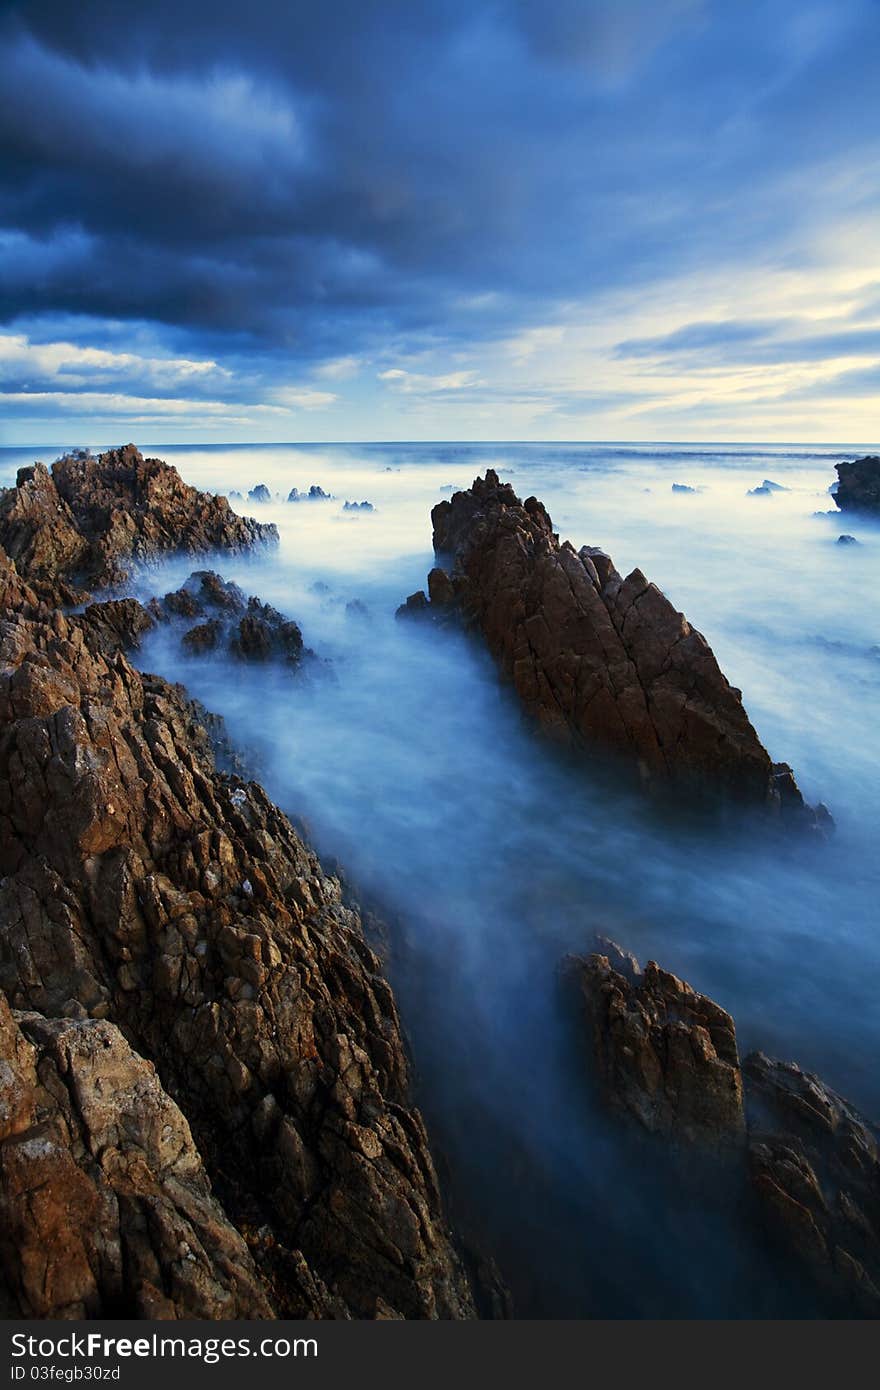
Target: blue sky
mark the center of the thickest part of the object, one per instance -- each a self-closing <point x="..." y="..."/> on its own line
<point x="649" y="219"/>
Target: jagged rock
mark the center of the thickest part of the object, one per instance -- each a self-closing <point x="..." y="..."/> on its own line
<point x="260" y="493"/>
<point x="246" y="627"/>
<point x="600" y="662"/>
<point x="664" y="1054"/>
<point x="104" y="1200"/>
<point x="815" y="1167"/>
<point x="358" y="507"/>
<point x="90" y="519"/>
<point x="859" y="487"/>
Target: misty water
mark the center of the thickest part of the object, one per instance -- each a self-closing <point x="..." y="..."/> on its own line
<point x="493" y="858"/>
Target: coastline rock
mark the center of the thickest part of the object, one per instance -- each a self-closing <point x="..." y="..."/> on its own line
<point x="193" y="1003"/>
<point x="601" y="662"/>
<point x="664" y="1054"/>
<point x="89" y="520"/>
<point x="859" y="487"/>
<point x="142" y="888"/>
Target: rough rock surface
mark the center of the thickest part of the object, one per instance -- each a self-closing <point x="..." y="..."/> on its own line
<point x="859" y="486"/>
<point x="90" y="519"/>
<point x="601" y="662"/>
<point x="204" y="1104"/>
<point x="226" y="620"/>
<point x="664" y="1054"/>
<point x="104" y="1200"/>
<point x="815" y="1165"/>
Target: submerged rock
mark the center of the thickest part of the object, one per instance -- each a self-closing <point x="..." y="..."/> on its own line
<point x="245" y="627"/>
<point x="90" y="520"/>
<point x="666" y="1058"/>
<point x="601" y="663"/>
<point x="664" y="1054"/>
<point x="859" y="487"/>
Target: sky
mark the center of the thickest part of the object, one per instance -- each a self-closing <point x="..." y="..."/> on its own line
<point x="451" y="219"/>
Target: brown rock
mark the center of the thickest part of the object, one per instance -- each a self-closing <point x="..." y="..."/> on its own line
<point x="599" y="661"/>
<point x="90" y="519"/>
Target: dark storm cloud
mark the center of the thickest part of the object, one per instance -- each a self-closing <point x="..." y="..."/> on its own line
<point x="280" y="183"/>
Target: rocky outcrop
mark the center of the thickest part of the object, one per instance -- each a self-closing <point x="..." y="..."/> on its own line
<point x="358" y="507"/>
<point x="664" y="1054"/>
<point x="223" y="619"/>
<point x="204" y="1099"/>
<point x="666" y="1058"/>
<point x="602" y="663"/>
<point x="815" y="1166"/>
<point x="859" y="487"/>
<point x="89" y="520"/>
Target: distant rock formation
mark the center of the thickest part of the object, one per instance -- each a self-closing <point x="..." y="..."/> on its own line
<point x="600" y="662"/>
<point x="358" y="507"/>
<point x="847" y="540"/>
<point x="682" y="487"/>
<point x="314" y="494"/>
<point x="90" y="520"/>
<point x="260" y="493"/>
<point x="667" y="1059"/>
<point x="859" y="487"/>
